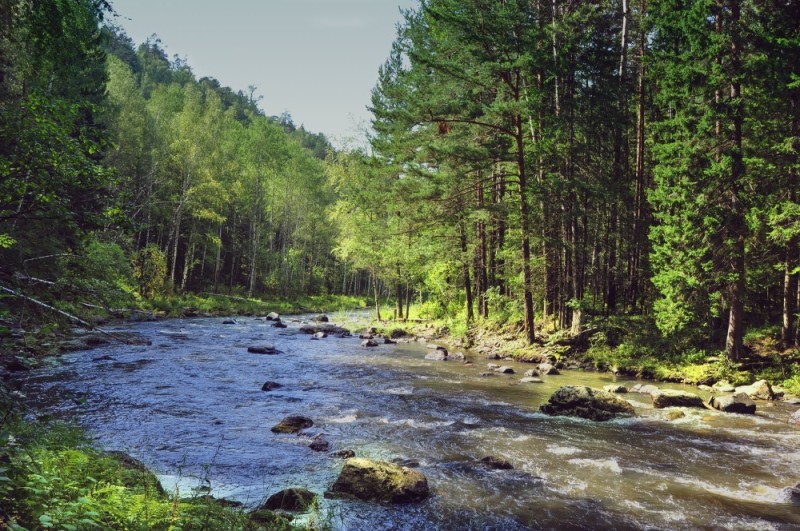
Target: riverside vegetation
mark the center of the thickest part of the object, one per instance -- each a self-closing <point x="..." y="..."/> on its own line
<point x="610" y="185"/>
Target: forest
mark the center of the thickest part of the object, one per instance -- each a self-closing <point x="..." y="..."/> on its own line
<point x="531" y="164"/>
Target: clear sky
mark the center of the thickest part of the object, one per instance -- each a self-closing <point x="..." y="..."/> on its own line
<point x="316" y="59"/>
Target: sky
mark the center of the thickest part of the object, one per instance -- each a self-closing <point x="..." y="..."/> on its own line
<point x="316" y="59"/>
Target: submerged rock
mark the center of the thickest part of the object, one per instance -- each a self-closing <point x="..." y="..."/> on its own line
<point x="615" y="388"/>
<point x="440" y="354"/>
<point x="278" y="324"/>
<point x="587" y="403"/>
<point x="675" y="414"/>
<point x="495" y="463"/>
<point x="369" y="343"/>
<point x="263" y="349"/>
<point x="293" y="424"/>
<point x="294" y="499"/>
<point x="320" y="318"/>
<point x="669" y="398"/>
<point x="319" y="335"/>
<point x="760" y="390"/>
<point x="270" y="386"/>
<point x="320" y="445"/>
<point x="366" y="479"/>
<point x="229" y="322"/>
<point x="387" y="341"/>
<point x="344" y="454"/>
<point x="646" y="389"/>
<point x="504" y="369"/>
<point x="738" y="403"/>
<point x="547" y="369"/>
<point x="530" y="373"/>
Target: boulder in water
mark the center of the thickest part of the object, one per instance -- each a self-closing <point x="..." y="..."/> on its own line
<point x="319" y="335"/>
<point x="723" y="386"/>
<point x="437" y="355"/>
<point x="229" y="321"/>
<point x="587" y="403"/>
<point x="294" y="499"/>
<point x="495" y="463"/>
<point x="645" y="389"/>
<point x="738" y="403"/>
<point x="320" y="318"/>
<point x="366" y="479"/>
<point x="547" y="369"/>
<point x="272" y="316"/>
<point x="263" y="349"/>
<point x="387" y="341"/>
<point x="504" y="369"/>
<point x="293" y="424"/>
<point x="320" y="445"/>
<point x="530" y="373"/>
<point x="279" y="324"/>
<point x="369" y="343"/>
<point x="270" y="386"/>
<point x="344" y="454"/>
<point x="675" y="414"/>
<point x="397" y="333"/>
<point x="795" y="418"/>
<point x="760" y="390"/>
<point x="669" y="398"/>
<point x="615" y="388"/>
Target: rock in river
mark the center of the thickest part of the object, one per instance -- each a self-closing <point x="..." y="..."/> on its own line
<point x="295" y="499"/>
<point x="669" y="398"/>
<point x="505" y="369"/>
<point x="270" y="386"/>
<point x="587" y="403"/>
<point x="795" y="418"/>
<point x="263" y="349"/>
<point x="738" y="403"/>
<point x="272" y="316"/>
<point x="440" y="354"/>
<point x="319" y="335"/>
<point x="375" y="480"/>
<point x="496" y="463"/>
<point x="547" y="369"/>
<point x="615" y="388"/>
<point x="320" y="445"/>
<point x="293" y="424"/>
<point x="760" y="390"/>
<point x="369" y="343"/>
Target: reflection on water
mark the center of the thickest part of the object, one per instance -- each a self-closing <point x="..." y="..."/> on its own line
<point x="191" y="407"/>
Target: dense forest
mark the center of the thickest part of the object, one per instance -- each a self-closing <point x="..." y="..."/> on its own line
<point x="531" y="163"/>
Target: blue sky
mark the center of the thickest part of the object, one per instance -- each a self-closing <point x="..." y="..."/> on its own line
<point x="316" y="59"/>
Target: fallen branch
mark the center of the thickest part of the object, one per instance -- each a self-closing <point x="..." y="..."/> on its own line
<point x="65" y="314"/>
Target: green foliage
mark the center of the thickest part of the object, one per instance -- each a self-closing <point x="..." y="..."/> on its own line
<point x="150" y="270"/>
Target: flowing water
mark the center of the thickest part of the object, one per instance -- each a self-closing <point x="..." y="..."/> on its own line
<point x="191" y="407"/>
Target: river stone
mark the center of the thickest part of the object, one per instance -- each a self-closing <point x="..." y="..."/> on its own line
<point x="320" y="445"/>
<point x="294" y="499"/>
<point x="375" y="480"/>
<point x="760" y="390"/>
<point x="795" y="418"/>
<point x="437" y="355"/>
<point x="738" y="403"/>
<point x="263" y="349"/>
<point x="368" y="343"/>
<point x="492" y="366"/>
<point x="547" y="369"/>
<point x="397" y="333"/>
<point x="344" y="454"/>
<point x="457" y="356"/>
<point x="723" y="386"/>
<point x="704" y="387"/>
<point x="270" y="386"/>
<point x="308" y="329"/>
<point x="495" y="463"/>
<point x="531" y="379"/>
<point x="320" y="318"/>
<point x="587" y="403"/>
<point x="675" y="414"/>
<point x="505" y="369"/>
<point x="272" y="316"/>
<point x="646" y="389"/>
<point x="229" y="322"/>
<point x="319" y="335"/>
<point x="669" y="398"/>
<point x="387" y="341"/>
<point x="530" y="373"/>
<point x="279" y="324"/>
<point x="615" y="388"/>
<point x="293" y="424"/>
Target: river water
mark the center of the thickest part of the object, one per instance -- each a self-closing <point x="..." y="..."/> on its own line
<point x="191" y="407"/>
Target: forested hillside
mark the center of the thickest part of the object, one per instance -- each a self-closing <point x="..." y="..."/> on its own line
<point x="531" y="164"/>
<point x="552" y="160"/>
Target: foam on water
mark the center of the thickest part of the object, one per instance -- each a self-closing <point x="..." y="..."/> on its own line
<point x="562" y="450"/>
<point x="611" y="465"/>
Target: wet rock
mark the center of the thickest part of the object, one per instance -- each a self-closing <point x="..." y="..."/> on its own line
<point x="675" y="414"/>
<point x="293" y="424"/>
<point x="345" y="335"/>
<point x="366" y="336"/>
<point x="278" y="324"/>
<point x="738" y="403"/>
<point x="793" y="494"/>
<point x="486" y="374"/>
<point x="530" y="373"/>
<point x="229" y="322"/>
<point x="504" y="369"/>
<point x="669" y="398"/>
<point x="760" y="390"/>
<point x="366" y="479"/>
<point x="294" y="499"/>
<point x="615" y="388"/>
<point x="531" y="379"/>
<point x="795" y="418"/>
<point x="308" y="329"/>
<point x="492" y="366"/>
<point x="319" y="335"/>
<point x="495" y="463"/>
<point x="272" y="316"/>
<point x="410" y="463"/>
<point x="270" y="386"/>
<point x="397" y="333"/>
<point x="587" y="403"/>
<point x="320" y="445"/>
<point x="493" y="356"/>
<point x="369" y="343"/>
<point x="344" y="454"/>
<point x="547" y="370"/>
<point x="387" y="341"/>
<point x="439" y="354"/>
<point x="320" y="318"/>
<point x="460" y="356"/>
<point x="263" y="349"/>
<point x="646" y="389"/>
<point x="96" y="340"/>
<point x="723" y="386"/>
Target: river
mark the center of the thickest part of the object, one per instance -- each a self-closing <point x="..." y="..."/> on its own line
<point x="190" y="406"/>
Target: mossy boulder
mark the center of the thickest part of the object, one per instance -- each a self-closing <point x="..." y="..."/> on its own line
<point x="586" y="402"/>
<point x="366" y="479"/>
<point x="294" y="499"/>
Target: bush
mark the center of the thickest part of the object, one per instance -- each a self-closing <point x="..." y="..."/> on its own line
<point x="150" y="270"/>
